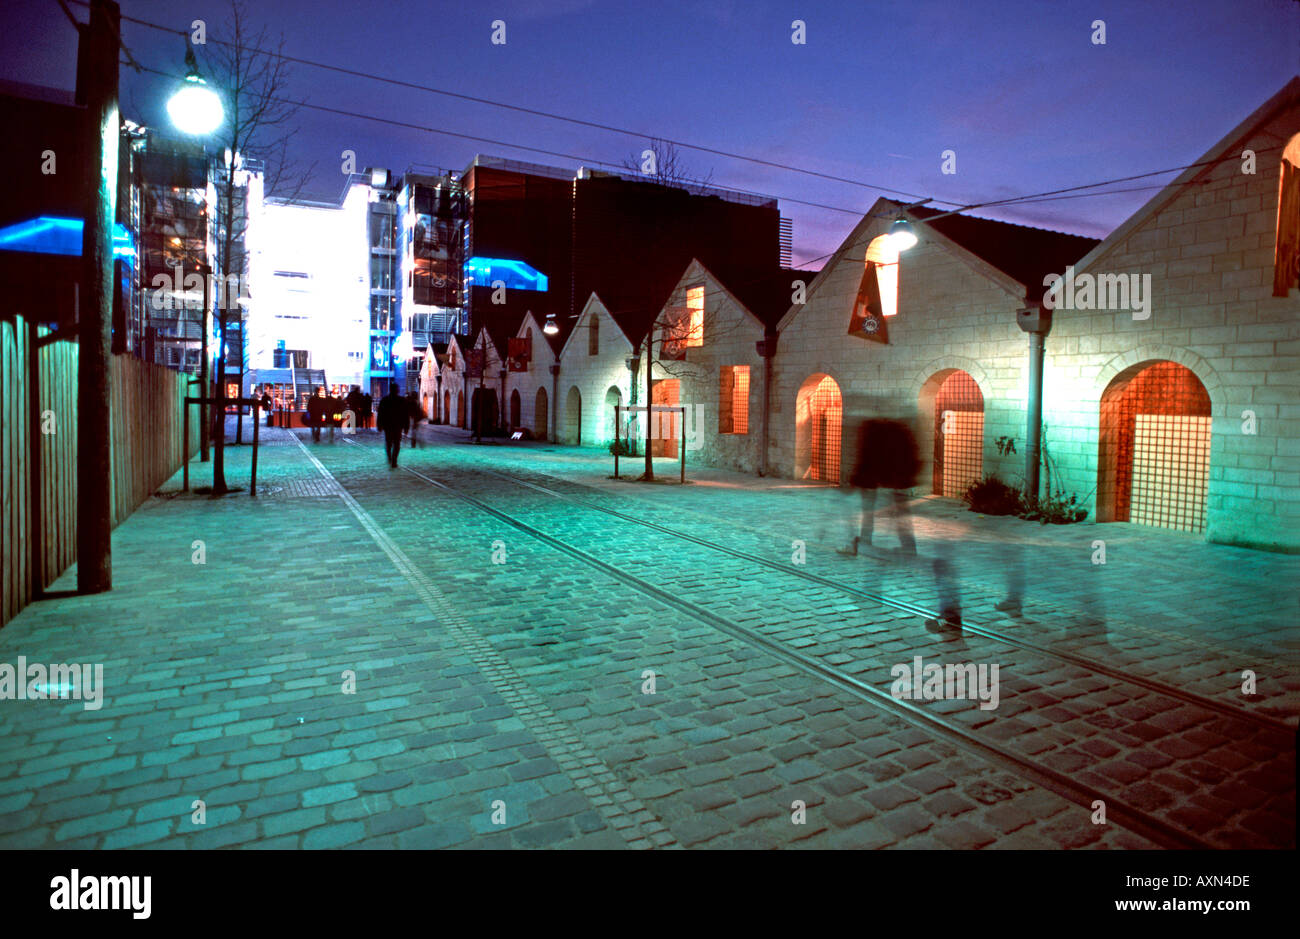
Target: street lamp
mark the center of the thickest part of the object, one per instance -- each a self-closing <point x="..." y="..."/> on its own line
<point x="550" y="327"/>
<point x="195" y="108"/>
<point x="901" y="235"/>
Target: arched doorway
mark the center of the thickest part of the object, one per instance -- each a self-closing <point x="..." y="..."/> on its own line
<point x="819" y="419"/>
<point x="573" y="417"/>
<point x="613" y="398"/>
<point x="514" y="409"/>
<point x="540" y="415"/>
<point x="958" y="432"/>
<point x="1153" y="460"/>
<point x="460" y="409"/>
<point x="483" y="411"/>
<point x="446" y="407"/>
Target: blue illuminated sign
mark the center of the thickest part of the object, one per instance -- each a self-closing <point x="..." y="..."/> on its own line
<point x="49" y="234"/>
<point x="516" y="275"/>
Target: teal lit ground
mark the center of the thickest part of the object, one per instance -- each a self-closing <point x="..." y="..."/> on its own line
<point x="502" y="647"/>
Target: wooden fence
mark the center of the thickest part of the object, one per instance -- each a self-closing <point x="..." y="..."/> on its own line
<point x="38" y="451"/>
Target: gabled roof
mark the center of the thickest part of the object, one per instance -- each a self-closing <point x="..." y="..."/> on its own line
<point x="1228" y="147"/>
<point x="530" y="321"/>
<point x="1016" y="257"/>
<point x="592" y="300"/>
<point x="1022" y="252"/>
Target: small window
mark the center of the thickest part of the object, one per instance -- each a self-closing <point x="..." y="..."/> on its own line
<point x="694" y="324"/>
<point x="593" y="335"/>
<point x="733" y="399"/>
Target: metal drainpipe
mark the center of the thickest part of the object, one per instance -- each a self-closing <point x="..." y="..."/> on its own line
<point x="501" y="413"/>
<point x="1036" y="320"/>
<point x="767" y="349"/>
<point x="555" y="398"/>
<point x="1034" y="419"/>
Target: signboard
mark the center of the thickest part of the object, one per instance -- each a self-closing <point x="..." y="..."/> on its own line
<point x="519" y="352"/>
<point x="868" y="321"/>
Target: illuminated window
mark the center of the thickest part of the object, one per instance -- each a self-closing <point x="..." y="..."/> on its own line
<point x="694" y="324"/>
<point x="593" y="335"/>
<point x="884" y="256"/>
<point x="733" y="399"/>
<point x="1286" y="244"/>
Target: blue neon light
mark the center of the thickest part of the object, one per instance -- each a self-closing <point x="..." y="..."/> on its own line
<point x="49" y="234"/>
<point x="517" y="275"/>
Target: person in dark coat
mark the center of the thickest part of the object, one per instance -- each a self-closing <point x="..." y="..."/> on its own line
<point x="333" y="413"/>
<point x="367" y="410"/>
<point x="316" y="413"/>
<point x="392" y="420"/>
<point x="887" y="458"/>
<point x="267" y="406"/>
<point x="353" y="401"/>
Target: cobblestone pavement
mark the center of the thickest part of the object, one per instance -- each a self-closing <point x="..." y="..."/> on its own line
<point x="501" y="683"/>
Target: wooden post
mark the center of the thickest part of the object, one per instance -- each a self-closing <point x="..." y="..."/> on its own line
<point x="94" y="414"/>
<point x="257" y="422"/>
<point x="185" y="453"/>
<point x="616" y="441"/>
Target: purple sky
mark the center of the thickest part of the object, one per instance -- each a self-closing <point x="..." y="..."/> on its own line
<point x="1018" y="90"/>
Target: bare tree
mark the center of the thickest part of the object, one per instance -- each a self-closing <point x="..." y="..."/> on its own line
<point x="662" y="162"/>
<point x="252" y="77"/>
<point x="670" y="335"/>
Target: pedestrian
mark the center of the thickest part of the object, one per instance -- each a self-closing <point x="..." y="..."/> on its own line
<point x="367" y="409"/>
<point x="887" y="458"/>
<point x="353" y="401"/>
<point x="267" y="405"/>
<point x="416" y="414"/>
<point x="333" y="413"/>
<point x="392" y="420"/>
<point x="316" y="413"/>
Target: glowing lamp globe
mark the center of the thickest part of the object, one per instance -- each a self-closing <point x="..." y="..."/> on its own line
<point x="901" y="235"/>
<point x="551" y="327"/>
<point x="195" y="108"/>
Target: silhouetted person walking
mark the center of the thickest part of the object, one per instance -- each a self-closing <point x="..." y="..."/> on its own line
<point x="887" y="459"/>
<point x="316" y="414"/>
<point x="392" y="420"/>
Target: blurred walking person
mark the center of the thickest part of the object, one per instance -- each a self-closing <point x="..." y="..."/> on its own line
<point x="887" y="458"/>
<point x="392" y="419"/>
<point x="416" y="414"/>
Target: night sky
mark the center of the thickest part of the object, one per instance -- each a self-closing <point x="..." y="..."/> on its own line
<point x="1018" y="90"/>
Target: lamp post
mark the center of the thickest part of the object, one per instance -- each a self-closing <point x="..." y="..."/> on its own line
<point x="196" y="110"/>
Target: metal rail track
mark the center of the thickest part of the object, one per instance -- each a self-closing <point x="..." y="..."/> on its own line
<point x="1150" y="684"/>
<point x="1259" y="654"/>
<point x="1135" y="820"/>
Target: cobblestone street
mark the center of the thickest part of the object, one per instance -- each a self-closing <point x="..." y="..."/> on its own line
<point x="547" y="657"/>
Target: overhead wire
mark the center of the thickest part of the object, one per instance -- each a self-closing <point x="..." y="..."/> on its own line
<point x="959" y="207"/>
